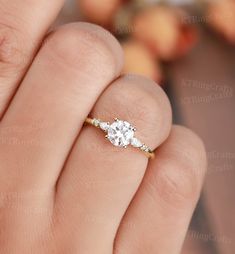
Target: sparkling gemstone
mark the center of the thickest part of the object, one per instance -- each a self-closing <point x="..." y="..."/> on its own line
<point x="104" y="126"/>
<point x="136" y="142"/>
<point x="120" y="133"/>
<point x="96" y="122"/>
<point x="144" y="148"/>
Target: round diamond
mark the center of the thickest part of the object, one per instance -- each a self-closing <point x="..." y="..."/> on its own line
<point x="120" y="133"/>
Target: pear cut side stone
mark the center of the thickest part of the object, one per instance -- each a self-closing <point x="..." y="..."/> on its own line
<point x="104" y="126"/>
<point x="136" y="142"/>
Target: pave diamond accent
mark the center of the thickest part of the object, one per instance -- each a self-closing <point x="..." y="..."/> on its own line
<point x="120" y="133"/>
<point x="144" y="148"/>
<point x="96" y="122"/>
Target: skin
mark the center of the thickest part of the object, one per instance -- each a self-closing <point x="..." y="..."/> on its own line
<point x="64" y="188"/>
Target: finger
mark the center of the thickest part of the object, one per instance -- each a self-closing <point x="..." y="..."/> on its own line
<point x="99" y="180"/>
<point x="158" y="217"/>
<point x="37" y="132"/>
<point x="22" y="26"/>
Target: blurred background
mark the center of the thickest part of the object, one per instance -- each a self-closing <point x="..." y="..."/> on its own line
<point x="188" y="48"/>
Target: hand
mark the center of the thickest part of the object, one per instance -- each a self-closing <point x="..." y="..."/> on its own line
<point x="64" y="188"/>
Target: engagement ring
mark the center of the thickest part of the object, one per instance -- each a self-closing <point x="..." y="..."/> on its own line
<point x="121" y="133"/>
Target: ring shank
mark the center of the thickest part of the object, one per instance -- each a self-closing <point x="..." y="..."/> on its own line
<point x="89" y="121"/>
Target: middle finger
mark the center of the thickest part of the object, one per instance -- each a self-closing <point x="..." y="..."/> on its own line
<point x="37" y="132"/>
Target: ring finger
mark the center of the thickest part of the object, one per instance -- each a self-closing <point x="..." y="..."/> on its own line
<point x="103" y="179"/>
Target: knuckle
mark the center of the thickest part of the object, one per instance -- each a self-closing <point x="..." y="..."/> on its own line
<point x="152" y="106"/>
<point x="181" y="174"/>
<point x="175" y="183"/>
<point x="145" y="104"/>
<point x="84" y="44"/>
<point x="192" y="150"/>
<point x="12" y="53"/>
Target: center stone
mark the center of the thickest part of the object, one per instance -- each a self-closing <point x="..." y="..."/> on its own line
<point x="120" y="133"/>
